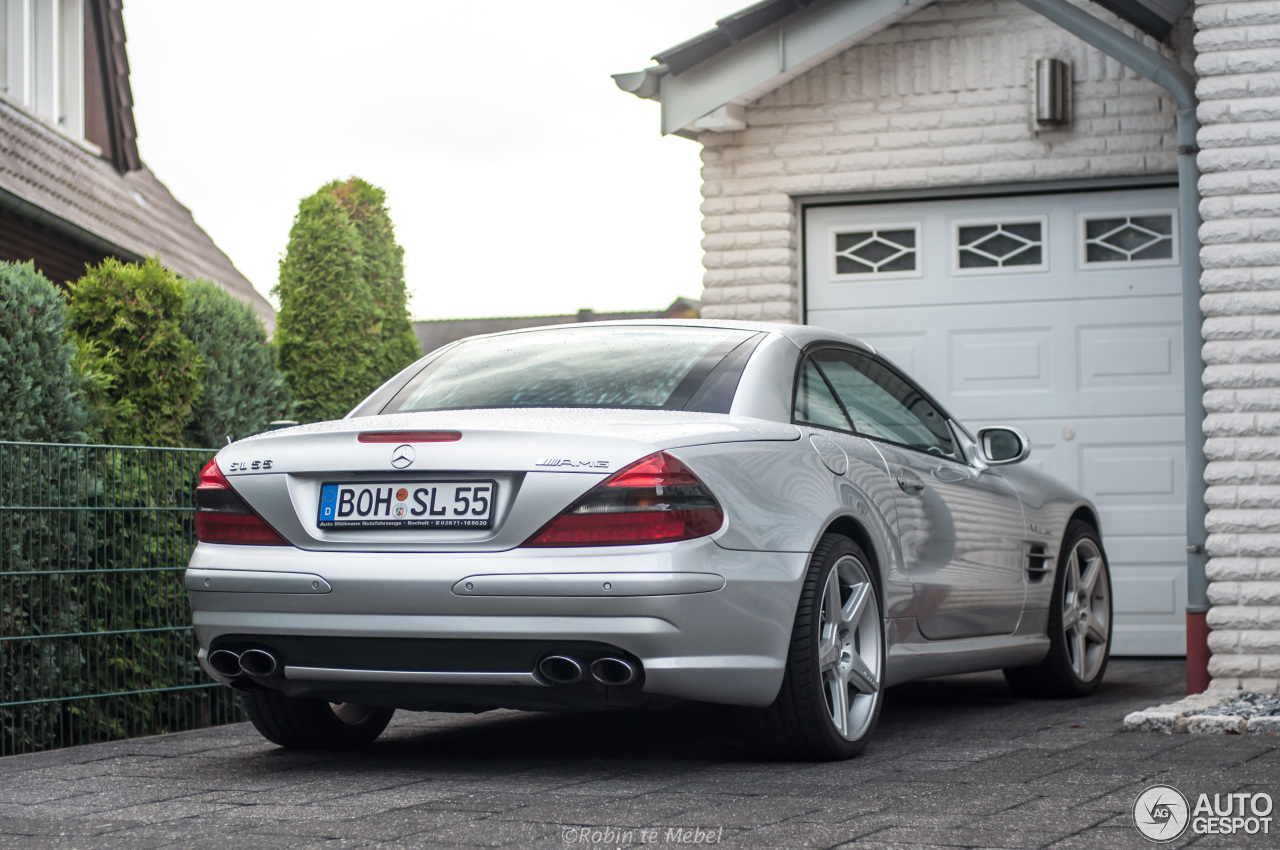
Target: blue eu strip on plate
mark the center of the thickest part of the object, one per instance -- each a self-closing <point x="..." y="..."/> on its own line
<point x="328" y="501"/>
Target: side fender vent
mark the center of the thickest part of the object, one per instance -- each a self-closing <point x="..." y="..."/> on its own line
<point x="1037" y="562"/>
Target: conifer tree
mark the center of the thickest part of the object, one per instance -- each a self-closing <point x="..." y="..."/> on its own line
<point x="143" y="375"/>
<point x="366" y="205"/>
<point x="43" y="396"/>
<point x="343" y="326"/>
<point x="243" y="389"/>
<point x="326" y="319"/>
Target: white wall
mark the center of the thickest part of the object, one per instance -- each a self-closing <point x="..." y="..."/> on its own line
<point x="1239" y="90"/>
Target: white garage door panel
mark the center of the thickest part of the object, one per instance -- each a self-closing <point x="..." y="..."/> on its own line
<point x="1041" y="362"/>
<point x="1122" y="357"/>
<point x="1153" y="594"/>
<point x="1060" y="314"/>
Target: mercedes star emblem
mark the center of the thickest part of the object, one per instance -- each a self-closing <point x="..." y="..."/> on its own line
<point x="403" y="456"/>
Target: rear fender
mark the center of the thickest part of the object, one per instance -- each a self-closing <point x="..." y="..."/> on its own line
<point x="780" y="497"/>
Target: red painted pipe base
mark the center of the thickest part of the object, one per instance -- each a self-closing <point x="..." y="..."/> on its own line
<point x="1197" y="654"/>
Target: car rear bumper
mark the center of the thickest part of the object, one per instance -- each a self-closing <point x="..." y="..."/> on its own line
<point x="704" y="623"/>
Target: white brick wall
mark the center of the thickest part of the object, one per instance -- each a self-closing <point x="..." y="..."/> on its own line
<point x="939" y="99"/>
<point x="1239" y="89"/>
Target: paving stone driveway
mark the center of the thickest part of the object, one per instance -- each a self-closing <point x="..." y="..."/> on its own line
<point x="955" y="762"/>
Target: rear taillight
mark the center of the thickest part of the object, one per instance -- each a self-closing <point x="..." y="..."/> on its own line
<point x="655" y="500"/>
<point x="223" y="517"/>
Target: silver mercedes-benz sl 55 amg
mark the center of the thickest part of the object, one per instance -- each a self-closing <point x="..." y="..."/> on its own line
<point x="769" y="517"/>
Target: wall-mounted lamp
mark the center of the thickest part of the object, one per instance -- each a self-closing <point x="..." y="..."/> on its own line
<point x="1051" y="90"/>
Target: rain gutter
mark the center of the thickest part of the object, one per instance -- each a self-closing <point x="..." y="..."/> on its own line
<point x="1181" y="85"/>
<point x="24" y="209"/>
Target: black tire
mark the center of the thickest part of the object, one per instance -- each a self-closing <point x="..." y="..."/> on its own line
<point x="800" y="723"/>
<point x="1061" y="674"/>
<point x="312" y="724"/>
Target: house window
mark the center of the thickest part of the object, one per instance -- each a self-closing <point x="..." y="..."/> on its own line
<point x="876" y="252"/>
<point x="1129" y="239"/>
<point x="42" y="59"/>
<point x="994" y="246"/>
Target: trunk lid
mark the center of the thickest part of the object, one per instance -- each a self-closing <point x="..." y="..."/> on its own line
<point x="530" y="463"/>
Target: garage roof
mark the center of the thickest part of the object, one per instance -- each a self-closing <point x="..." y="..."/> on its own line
<point x="704" y="83"/>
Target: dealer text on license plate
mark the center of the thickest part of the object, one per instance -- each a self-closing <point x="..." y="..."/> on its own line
<point x="419" y="504"/>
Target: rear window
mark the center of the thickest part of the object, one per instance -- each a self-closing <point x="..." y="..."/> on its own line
<point x="638" y="367"/>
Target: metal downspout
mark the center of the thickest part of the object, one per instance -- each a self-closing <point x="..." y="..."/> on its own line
<point x="1182" y="87"/>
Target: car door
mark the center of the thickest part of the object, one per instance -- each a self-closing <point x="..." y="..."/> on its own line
<point x="960" y="526"/>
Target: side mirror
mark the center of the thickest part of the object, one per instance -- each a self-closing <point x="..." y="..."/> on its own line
<point x="1001" y="445"/>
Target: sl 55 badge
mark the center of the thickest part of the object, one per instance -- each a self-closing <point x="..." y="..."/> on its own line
<point x="246" y="465"/>
<point x="589" y="464"/>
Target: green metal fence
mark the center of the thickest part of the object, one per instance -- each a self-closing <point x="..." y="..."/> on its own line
<point x="96" y="640"/>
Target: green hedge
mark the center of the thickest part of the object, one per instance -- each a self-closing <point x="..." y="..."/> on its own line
<point x="243" y="389"/>
<point x="144" y="374"/>
<point x="41" y="391"/>
<point x="93" y="541"/>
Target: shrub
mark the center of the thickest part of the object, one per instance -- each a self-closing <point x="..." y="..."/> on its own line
<point x="144" y="373"/>
<point x="42" y="391"/>
<point x="326" y="318"/>
<point x="366" y="205"/>
<point x="343" y="327"/>
<point x="243" y="389"/>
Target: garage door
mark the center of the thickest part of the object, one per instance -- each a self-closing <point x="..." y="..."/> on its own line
<point x="1060" y="314"/>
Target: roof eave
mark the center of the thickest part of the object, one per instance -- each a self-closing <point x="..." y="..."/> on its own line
<point x="733" y="74"/>
<point x="1154" y="17"/>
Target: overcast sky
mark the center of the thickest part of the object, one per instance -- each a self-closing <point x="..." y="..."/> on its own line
<point x="521" y="180"/>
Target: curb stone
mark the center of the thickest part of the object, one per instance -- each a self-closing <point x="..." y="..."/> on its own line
<point x="1264" y="725"/>
<point x="1185" y="716"/>
<point x="1216" y="724"/>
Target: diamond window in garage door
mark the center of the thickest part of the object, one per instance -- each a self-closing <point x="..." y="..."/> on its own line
<point x="875" y="253"/>
<point x="1128" y="239"/>
<point x="986" y="247"/>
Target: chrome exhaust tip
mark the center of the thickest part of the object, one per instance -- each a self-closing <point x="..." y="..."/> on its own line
<point x="613" y="671"/>
<point x="560" y="669"/>
<point x="225" y="662"/>
<point x="257" y="662"/>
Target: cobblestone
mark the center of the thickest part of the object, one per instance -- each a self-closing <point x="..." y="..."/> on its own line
<point x="956" y="762"/>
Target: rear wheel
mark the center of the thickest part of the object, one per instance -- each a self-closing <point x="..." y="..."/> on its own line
<point x="831" y="690"/>
<point x="313" y="724"/>
<point x="1079" y="623"/>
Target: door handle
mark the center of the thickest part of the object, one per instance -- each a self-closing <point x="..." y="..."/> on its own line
<point x="910" y="483"/>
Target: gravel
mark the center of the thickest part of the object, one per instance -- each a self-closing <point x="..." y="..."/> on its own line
<point x="1248" y="705"/>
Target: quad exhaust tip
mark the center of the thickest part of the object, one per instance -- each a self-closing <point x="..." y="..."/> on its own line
<point x="560" y="669"/>
<point x="225" y="662"/>
<point x="612" y="671"/>
<point x="257" y="662"/>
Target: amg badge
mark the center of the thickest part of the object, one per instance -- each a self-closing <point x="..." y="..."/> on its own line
<point x="587" y="464"/>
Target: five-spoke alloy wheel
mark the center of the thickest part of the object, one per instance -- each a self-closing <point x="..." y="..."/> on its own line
<point x="1079" y="622"/>
<point x="1086" y="610"/>
<point x="832" y="687"/>
<point x="849" y="649"/>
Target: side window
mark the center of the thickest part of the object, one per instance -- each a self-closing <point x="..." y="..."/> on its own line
<point x="815" y="405"/>
<point x="883" y="405"/>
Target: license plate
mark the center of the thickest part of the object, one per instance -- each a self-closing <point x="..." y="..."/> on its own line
<point x="408" y="504"/>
